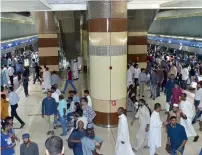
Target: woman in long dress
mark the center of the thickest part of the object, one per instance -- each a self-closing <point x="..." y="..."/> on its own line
<point x="47" y="79"/>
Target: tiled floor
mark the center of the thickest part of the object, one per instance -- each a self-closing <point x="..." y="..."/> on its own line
<point x="29" y="110"/>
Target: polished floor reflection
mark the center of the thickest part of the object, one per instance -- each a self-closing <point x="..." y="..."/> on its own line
<point x="30" y="109"/>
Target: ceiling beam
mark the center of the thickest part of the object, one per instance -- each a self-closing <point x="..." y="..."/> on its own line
<point x="46" y="4"/>
<point x="171" y="3"/>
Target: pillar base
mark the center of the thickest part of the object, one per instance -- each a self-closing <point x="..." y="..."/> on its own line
<point x="107" y="120"/>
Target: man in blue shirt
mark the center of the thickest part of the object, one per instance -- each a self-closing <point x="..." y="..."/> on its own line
<point x="13" y="100"/>
<point x="177" y="137"/>
<point x="49" y="109"/>
<point x="168" y="91"/>
<point x="7" y="147"/>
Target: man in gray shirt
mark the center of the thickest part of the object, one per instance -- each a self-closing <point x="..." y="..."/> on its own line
<point x="28" y="147"/>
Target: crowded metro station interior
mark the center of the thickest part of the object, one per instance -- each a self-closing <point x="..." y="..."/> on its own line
<point x="93" y="77"/>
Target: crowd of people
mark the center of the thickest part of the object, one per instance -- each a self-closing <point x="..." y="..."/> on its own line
<point x="74" y="115"/>
<point x="169" y="75"/>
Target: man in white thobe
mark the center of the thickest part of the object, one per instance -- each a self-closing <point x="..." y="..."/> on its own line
<point x="144" y="117"/>
<point x="132" y="70"/>
<point x="80" y="62"/>
<point x="188" y="110"/>
<point x="47" y="79"/>
<point x="129" y="78"/>
<point x="155" y="130"/>
<point x="55" y="79"/>
<point x="123" y="146"/>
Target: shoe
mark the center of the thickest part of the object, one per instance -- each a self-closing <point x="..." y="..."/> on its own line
<point x="52" y="133"/>
<point x="196" y="138"/>
<point x="153" y="98"/>
<point x="22" y="125"/>
<point x="142" y="95"/>
<point x="48" y="133"/>
<point x="63" y="134"/>
<point x="134" y="150"/>
<point x="139" y="95"/>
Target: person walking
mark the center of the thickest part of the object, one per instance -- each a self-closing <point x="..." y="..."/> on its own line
<point x="25" y="81"/>
<point x="188" y="111"/>
<point x="28" y="147"/>
<point x="142" y="81"/>
<point x="33" y="69"/>
<point x="5" y="78"/>
<point x="37" y="71"/>
<point x="47" y="79"/>
<point x="49" y="111"/>
<point x="168" y="91"/>
<point x="123" y="145"/>
<point x="154" y="141"/>
<point x="144" y="119"/>
<point x="11" y="73"/>
<point x="69" y="80"/>
<point x="19" y="68"/>
<point x="13" y="100"/>
<point x="177" y="137"/>
<point x="62" y="109"/>
<point x="154" y="82"/>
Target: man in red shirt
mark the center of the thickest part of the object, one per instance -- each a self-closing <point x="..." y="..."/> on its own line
<point x="69" y="80"/>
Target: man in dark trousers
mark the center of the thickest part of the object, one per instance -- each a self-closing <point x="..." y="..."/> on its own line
<point x="37" y="72"/>
<point x="13" y="100"/>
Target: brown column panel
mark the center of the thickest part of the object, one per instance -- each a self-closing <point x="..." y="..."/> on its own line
<point x="50" y="60"/>
<point x="137" y="57"/>
<point x="107" y="25"/>
<point x="137" y="40"/>
<point x="104" y="119"/>
<point x="47" y="42"/>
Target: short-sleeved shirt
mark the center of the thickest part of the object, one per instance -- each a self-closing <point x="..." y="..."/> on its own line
<point x="62" y="105"/>
<point x="177" y="135"/>
<point x="31" y="150"/>
<point x="6" y="142"/>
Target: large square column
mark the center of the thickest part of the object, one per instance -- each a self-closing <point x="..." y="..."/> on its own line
<point x="107" y="27"/>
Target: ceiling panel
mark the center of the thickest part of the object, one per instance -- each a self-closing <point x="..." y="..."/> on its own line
<point x="19" y="6"/>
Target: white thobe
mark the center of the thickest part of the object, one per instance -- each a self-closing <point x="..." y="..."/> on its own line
<point x="129" y="78"/>
<point x="154" y="133"/>
<point x="47" y="80"/>
<point x="75" y="70"/>
<point x="80" y="62"/>
<point x="189" y="110"/>
<point x="132" y="69"/>
<point x="144" y="118"/>
<point x="123" y="135"/>
<point x="55" y="79"/>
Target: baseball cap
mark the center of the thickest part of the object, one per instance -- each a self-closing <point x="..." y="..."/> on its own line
<point x="26" y="135"/>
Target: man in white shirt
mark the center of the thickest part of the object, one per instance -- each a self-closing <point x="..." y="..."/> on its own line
<point x="86" y="94"/>
<point x="137" y="72"/>
<point x="10" y="73"/>
<point x="132" y="70"/>
<point x="198" y="95"/>
<point x="55" y="94"/>
<point x="185" y="76"/>
<point x="13" y="100"/>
